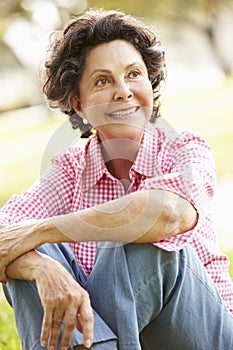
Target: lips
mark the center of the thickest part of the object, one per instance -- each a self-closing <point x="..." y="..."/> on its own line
<point x="123" y="113"/>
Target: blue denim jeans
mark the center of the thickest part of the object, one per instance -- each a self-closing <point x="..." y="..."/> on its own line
<point x="151" y="299"/>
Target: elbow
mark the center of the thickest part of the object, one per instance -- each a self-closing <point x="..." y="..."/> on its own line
<point x="181" y="217"/>
<point x="189" y="219"/>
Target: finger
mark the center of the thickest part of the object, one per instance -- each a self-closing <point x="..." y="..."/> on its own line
<point x="3" y="277"/>
<point x="46" y="326"/>
<point x="87" y="322"/>
<point x="4" y="280"/>
<point x="69" y="326"/>
<point x="79" y="324"/>
<point x="56" y="327"/>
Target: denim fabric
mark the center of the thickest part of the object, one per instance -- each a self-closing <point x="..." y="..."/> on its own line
<point x="152" y="299"/>
<point x="166" y="297"/>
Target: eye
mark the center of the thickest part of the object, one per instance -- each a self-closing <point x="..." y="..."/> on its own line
<point x="134" y="74"/>
<point x="102" y="81"/>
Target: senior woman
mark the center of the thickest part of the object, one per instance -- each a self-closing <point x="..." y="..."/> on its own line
<point x="114" y="246"/>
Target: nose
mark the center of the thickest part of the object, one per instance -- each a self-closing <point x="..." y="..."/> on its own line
<point x="122" y="91"/>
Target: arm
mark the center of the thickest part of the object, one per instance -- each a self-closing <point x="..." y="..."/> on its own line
<point x="61" y="296"/>
<point x="143" y="216"/>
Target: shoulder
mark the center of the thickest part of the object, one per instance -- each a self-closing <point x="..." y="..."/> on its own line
<point x="73" y="158"/>
<point x="174" y="146"/>
<point x="189" y="136"/>
<point x="174" y="139"/>
<point x="72" y="155"/>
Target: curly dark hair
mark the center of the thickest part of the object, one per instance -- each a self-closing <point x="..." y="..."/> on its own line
<point x="68" y="52"/>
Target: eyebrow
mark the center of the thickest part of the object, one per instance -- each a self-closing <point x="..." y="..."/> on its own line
<point x="102" y="70"/>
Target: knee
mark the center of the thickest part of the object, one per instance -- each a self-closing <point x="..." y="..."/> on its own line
<point x="142" y="261"/>
<point x="147" y="257"/>
<point x="152" y="270"/>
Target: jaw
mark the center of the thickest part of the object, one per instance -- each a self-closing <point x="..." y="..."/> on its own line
<point x="121" y="131"/>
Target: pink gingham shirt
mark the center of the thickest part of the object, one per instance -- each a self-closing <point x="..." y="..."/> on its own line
<point x="178" y="162"/>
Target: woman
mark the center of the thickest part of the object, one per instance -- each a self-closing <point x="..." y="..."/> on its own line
<point x="133" y="204"/>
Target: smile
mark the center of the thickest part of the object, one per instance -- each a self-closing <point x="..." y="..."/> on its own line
<point x="124" y="113"/>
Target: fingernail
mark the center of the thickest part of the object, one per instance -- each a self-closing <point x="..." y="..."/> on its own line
<point x="87" y="343"/>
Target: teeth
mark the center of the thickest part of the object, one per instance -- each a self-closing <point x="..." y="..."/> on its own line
<point x="123" y="113"/>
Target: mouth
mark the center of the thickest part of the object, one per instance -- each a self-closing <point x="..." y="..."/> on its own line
<point x="123" y="113"/>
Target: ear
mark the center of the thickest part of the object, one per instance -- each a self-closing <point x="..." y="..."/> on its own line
<point x="76" y="105"/>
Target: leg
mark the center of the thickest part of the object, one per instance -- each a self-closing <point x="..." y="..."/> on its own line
<point x="167" y="297"/>
<point x="24" y="298"/>
<point x="194" y="317"/>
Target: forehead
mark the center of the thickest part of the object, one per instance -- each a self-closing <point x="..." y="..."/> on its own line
<point x="112" y="54"/>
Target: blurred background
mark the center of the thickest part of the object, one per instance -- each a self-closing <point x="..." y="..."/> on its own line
<point x="198" y="38"/>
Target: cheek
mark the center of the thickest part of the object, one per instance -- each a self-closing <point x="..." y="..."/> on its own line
<point x="147" y="100"/>
<point x="145" y="90"/>
<point x="95" y="113"/>
<point x="146" y="96"/>
<point x="96" y="98"/>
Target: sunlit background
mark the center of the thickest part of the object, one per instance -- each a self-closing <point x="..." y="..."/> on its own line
<point x="198" y="38"/>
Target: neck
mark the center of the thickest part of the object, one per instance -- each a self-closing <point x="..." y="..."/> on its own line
<point x="119" y="155"/>
<point x="119" y="168"/>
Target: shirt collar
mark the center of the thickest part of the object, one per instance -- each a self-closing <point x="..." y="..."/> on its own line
<point x="95" y="166"/>
<point x="145" y="162"/>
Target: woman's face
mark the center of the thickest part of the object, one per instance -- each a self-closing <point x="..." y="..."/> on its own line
<point x="115" y="93"/>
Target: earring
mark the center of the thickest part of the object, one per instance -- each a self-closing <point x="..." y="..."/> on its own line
<point x="85" y="121"/>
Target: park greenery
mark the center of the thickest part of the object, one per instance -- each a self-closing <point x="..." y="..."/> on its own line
<point x="212" y="18"/>
<point x="8" y="336"/>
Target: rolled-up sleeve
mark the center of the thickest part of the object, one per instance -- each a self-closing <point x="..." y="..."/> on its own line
<point x="186" y="168"/>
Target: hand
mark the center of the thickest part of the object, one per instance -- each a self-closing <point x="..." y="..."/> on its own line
<point x="15" y="240"/>
<point x="63" y="299"/>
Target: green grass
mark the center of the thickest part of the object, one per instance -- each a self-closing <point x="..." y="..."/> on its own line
<point x="8" y="336"/>
<point x="21" y="149"/>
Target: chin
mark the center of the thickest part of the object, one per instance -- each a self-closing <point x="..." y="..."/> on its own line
<point x="123" y="131"/>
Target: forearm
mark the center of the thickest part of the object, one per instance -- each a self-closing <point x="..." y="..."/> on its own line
<point x="144" y="216"/>
<point x="28" y="266"/>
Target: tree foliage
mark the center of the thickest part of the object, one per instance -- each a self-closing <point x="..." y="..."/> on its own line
<point x="204" y="14"/>
<point x="149" y="8"/>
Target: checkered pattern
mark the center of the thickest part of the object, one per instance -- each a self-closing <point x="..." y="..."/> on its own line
<point x="180" y="163"/>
